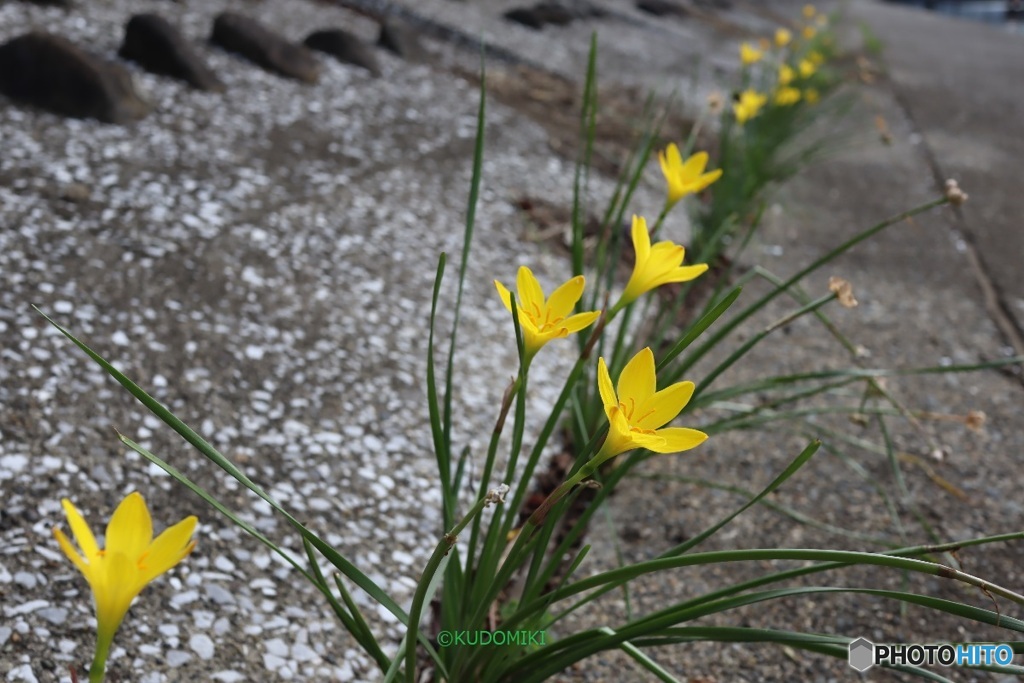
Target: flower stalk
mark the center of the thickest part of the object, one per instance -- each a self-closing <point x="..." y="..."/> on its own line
<point x="493" y="497"/>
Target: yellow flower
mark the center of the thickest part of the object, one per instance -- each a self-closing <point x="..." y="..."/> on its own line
<point x="749" y="105"/>
<point x="750" y="54"/>
<point x="809" y="11"/>
<point x="131" y="559"/>
<point x="655" y="266"/>
<point x="786" y="96"/>
<point x="543" y="319"/>
<point x="685" y="178"/>
<point x="809" y="32"/>
<point x="782" y="37"/>
<point x="636" y="419"/>
<point x="815" y="58"/>
<point x="806" y="68"/>
<point x="637" y="413"/>
<point x="811" y="96"/>
<point x="786" y="74"/>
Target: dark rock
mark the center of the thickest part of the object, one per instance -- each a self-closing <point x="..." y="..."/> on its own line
<point x="52" y="3"/>
<point x="542" y="13"/>
<point x="399" y="37"/>
<point x="526" y="16"/>
<point x="153" y="42"/>
<point x="249" y="38"/>
<point x="661" y="8"/>
<point x="553" y="13"/>
<point x="49" y="71"/>
<point x="344" y="47"/>
<point x="586" y="9"/>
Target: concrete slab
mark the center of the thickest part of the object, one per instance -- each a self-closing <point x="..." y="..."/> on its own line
<point x="960" y="82"/>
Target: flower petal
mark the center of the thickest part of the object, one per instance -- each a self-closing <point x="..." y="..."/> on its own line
<point x="563" y="299"/>
<point x="531" y="296"/>
<point x="664" y="257"/>
<point x="674" y="158"/>
<point x="604" y="385"/>
<point x="80" y="528"/>
<point x="666" y="170"/>
<point x="641" y="242"/>
<point x="506" y="296"/>
<point x="70" y="551"/>
<point x="652" y="442"/>
<point x="676" y="439"/>
<point x="637" y="381"/>
<point x="694" y="166"/>
<point x="169" y="548"/>
<point x="620" y="436"/>
<point x="706" y="180"/>
<point x="683" y="274"/>
<point x="130" y="530"/>
<point x="577" y="322"/>
<point x="661" y="408"/>
<point x="114" y="588"/>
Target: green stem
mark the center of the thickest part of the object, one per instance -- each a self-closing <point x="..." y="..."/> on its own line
<point x="416" y="611"/>
<point x="661" y="218"/>
<point x="541" y="513"/>
<point x="492" y="451"/>
<point x="538" y="516"/>
<point x="98" y="669"/>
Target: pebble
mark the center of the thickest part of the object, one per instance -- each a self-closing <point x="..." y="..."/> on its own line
<point x="168" y="630"/>
<point x="12" y="464"/>
<point x="228" y="676"/>
<point x="54" y="615"/>
<point x="203" y="619"/>
<point x="402" y="557"/>
<point x="304" y="653"/>
<point x="25" y="579"/>
<point x="219" y="594"/>
<point x="274" y="662"/>
<point x="22" y="673"/>
<point x="276" y="647"/>
<point x="26" y="607"/>
<point x="179" y="600"/>
<point x="202" y="645"/>
<point x="176" y="658"/>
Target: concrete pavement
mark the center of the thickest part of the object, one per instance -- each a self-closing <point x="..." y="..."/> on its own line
<point x="962" y="85"/>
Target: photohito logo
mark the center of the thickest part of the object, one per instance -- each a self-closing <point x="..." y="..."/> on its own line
<point x="864" y="654"/>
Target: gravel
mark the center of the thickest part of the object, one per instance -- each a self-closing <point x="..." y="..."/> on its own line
<point x="261" y="262"/>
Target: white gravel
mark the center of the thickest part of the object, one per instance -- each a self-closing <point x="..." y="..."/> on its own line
<point x="261" y="261"/>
